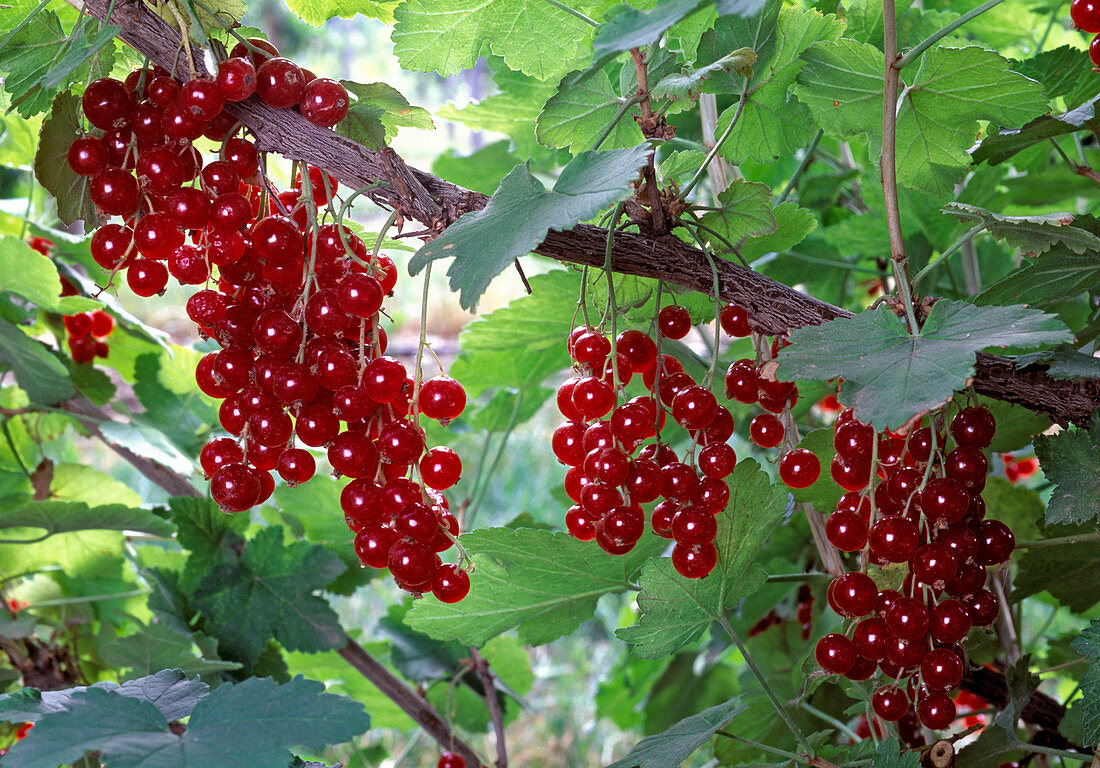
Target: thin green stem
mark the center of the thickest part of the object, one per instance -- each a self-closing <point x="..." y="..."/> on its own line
<point x="623" y="109"/>
<point x="573" y="12"/>
<point x="1056" y="752"/>
<point x="712" y="371"/>
<point x="826" y="717"/>
<point x="943" y="32"/>
<point x="1056" y="9"/>
<point x="969" y="235"/>
<point x="810" y="149"/>
<point x="798" y="578"/>
<point x="714" y="150"/>
<point x="1080" y="538"/>
<point x="762" y="747"/>
<point x="88" y="598"/>
<point x="472" y="510"/>
<point x="780" y="710"/>
<point x="419" y="375"/>
<point x="694" y="222"/>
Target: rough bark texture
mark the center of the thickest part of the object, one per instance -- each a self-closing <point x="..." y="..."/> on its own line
<point x="773" y="307"/>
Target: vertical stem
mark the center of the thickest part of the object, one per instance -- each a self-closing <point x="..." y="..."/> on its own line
<point x="898" y="258"/>
<point x="656" y="211"/>
<point x="719" y="169"/>
<point x="495" y="713"/>
<point x="972" y="275"/>
<point x="781" y="710"/>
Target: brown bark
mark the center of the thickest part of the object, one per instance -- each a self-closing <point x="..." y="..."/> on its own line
<point x="773" y="308"/>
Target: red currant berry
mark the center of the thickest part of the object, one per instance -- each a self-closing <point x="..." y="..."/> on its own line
<point x="941" y="669"/>
<point x="235" y="487"/>
<point x="735" y="321"/>
<point x="107" y="103"/>
<point x="934" y="564"/>
<point x="451" y="760"/>
<point x="146" y="277"/>
<point x="974" y="426"/>
<point x="982" y="607"/>
<point x="717" y="460"/>
<point x="871" y="638"/>
<point x="324" y="102"/>
<point x="950" y="621"/>
<point x="115" y="192"/>
<point x="236" y="78"/>
<point x="853" y="594"/>
<point x="936" y="711"/>
<point x="694" y="407"/>
<point x="450" y="585"/>
<point x="946" y="499"/>
<point x="441" y="398"/>
<point x="995" y="542"/>
<point x="894" y="539"/>
<point x="296" y="465"/>
<point x="767" y="431"/>
<point x="694" y="561"/>
<point x="835" y="653"/>
<point x="88" y="156"/>
<point x="1085" y="15"/>
<point x="907" y="618"/>
<point x="799" y="468"/>
<point x="279" y="82"/>
<point x="846" y="531"/>
<point x="890" y="703"/>
<point x="673" y="322"/>
<point x="440" y="468"/>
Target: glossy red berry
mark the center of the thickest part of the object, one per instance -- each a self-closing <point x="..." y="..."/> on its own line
<point x="450" y="585"/>
<point x="115" y="191"/>
<point x="673" y="322"/>
<point x="451" y="760"/>
<point x="950" y="620"/>
<point x="944" y="499"/>
<point x="835" y="653"/>
<point x="1085" y="15"/>
<point x="941" y="669"/>
<point x="936" y="710"/>
<point x="235" y="487"/>
<point x="441" y="398"/>
<point x="146" y="277"/>
<point x="767" y="431"/>
<point x="324" y="102"/>
<point x="296" y="465"/>
<point x="279" y="82"/>
<point x="934" y="564"/>
<point x="890" y="703"/>
<point x="694" y="561"/>
<point x="735" y="321"/>
<point x="995" y="542"/>
<point x="88" y="156"/>
<point x="846" y="531"/>
<point x="799" y="468"/>
<point x="440" y="468"/>
<point x="236" y="78"/>
<point x="716" y="460"/>
<point x="694" y="407"/>
<point x="982" y="607"/>
<point x="853" y="594"/>
<point x="974" y="426"/>
<point x="907" y="618"/>
<point x="894" y="539"/>
<point x="871" y="638"/>
<point x="107" y="103"/>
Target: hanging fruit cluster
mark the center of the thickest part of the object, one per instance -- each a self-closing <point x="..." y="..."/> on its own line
<point x="613" y="470"/>
<point x="294" y="302"/>
<point x="913" y="501"/>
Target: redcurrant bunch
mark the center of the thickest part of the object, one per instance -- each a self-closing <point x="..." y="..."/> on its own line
<point x="913" y="498"/>
<point x="294" y="304"/>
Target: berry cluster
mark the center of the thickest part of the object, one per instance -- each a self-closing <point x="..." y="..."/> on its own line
<point x="88" y="332"/>
<point x="612" y="472"/>
<point x="295" y="305"/>
<point x="1086" y="16"/>
<point x="913" y="499"/>
<point x="750" y="382"/>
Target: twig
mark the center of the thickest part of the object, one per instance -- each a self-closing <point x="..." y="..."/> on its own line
<point x="656" y="210"/>
<point x="495" y="713"/>
<point x="802" y="166"/>
<point x="888" y="162"/>
<point x="939" y="34"/>
<point x="1079" y="538"/>
<point x="410" y="702"/>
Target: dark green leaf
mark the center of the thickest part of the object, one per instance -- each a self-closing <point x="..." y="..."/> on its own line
<point x="890" y="755"/>
<point x="165" y="384"/>
<point x="211" y="536"/>
<point x="1050" y="278"/>
<point x="627" y="27"/>
<point x="1034" y="234"/>
<point x="1088" y="645"/>
<point x="480" y="171"/>
<point x="676" y="610"/>
<point x="998" y="147"/>
<point x="545" y="583"/>
<point x="41" y="375"/>
<point x="519" y="215"/>
<point x="268" y="593"/>
<point x="1056" y="69"/>
<point x="746" y="212"/>
<point x="890" y="376"/>
<point x="1062" y="362"/>
<point x="688" y="83"/>
<point x="51" y="166"/>
<point x="1068" y="571"/>
<point x="1071" y="460"/>
<point x="677" y="744"/>
<point x="154" y="647"/>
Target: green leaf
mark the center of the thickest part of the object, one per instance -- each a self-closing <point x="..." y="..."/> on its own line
<point x="746" y="212"/>
<point x="772" y="123"/>
<point x="317" y="12"/>
<point x="1071" y="460"/>
<point x="42" y="59"/>
<point x="890" y="376"/>
<point x="447" y="36"/>
<point x="543" y="583"/>
<point x="1067" y="572"/>
<point x="627" y="27"/>
<point x="484" y="243"/>
<point x="953" y="88"/>
<point x="63" y="516"/>
<point x="157" y="647"/>
<point x="376" y="114"/>
<point x="890" y="755"/>
<point x="1034" y="234"/>
<point x="208" y="534"/>
<point x="520" y="345"/>
<point x="169" y="691"/>
<point x="51" y="167"/>
<point x="676" y="610"/>
<point x="267" y="593"/>
<point x="792" y="225"/>
<point x="262" y="719"/>
<point x="1000" y="146"/>
<point x="680" y="166"/>
<point x="1088" y="645"/>
<point x="512" y="112"/>
<point x="674" y="746"/>
<point x="1063" y="362"/>
<point x="164" y="382"/>
<point x="579" y="112"/>
<point x="29" y="274"/>
<point x="688" y="83"/>
<point x="1045" y="280"/>
<point x="41" y="375"/>
<point x="1056" y="69"/>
